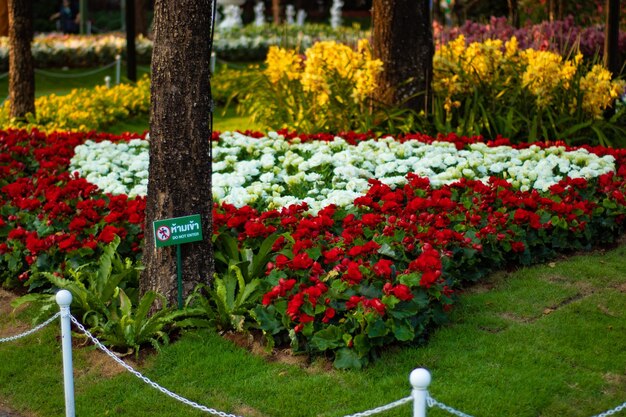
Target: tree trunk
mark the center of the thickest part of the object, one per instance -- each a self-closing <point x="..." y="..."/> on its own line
<point x="4" y="17"/>
<point x="514" y="13"/>
<point x="21" y="62"/>
<point x="141" y="21"/>
<point x="611" y="38"/>
<point x="276" y="11"/>
<point x="403" y="41"/>
<point x="551" y="11"/>
<point x="180" y="168"/>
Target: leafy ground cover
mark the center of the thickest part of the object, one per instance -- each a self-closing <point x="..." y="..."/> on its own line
<point x="545" y="340"/>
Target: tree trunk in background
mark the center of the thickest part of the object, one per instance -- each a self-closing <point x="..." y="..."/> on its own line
<point x="514" y="13"/>
<point x="276" y="11"/>
<point x="4" y="17"/>
<point x="551" y="9"/>
<point x="561" y="9"/>
<point x="21" y="62"/>
<point x="141" y="18"/>
<point x="611" y="38"/>
<point x="180" y="168"/>
<point x="403" y="41"/>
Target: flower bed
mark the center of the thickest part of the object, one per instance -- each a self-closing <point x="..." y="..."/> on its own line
<point x="342" y="280"/>
<point x="272" y="172"/>
<point x="84" y="109"/>
<point x="250" y="43"/>
<point x="558" y="36"/>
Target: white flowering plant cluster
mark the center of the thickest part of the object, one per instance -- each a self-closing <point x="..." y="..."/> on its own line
<point x="56" y="50"/>
<point x="272" y="172"/>
<point x="252" y="42"/>
<point x="249" y="43"/>
<point x="116" y="168"/>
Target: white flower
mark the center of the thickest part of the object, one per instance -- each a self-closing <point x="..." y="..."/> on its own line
<point x="263" y="171"/>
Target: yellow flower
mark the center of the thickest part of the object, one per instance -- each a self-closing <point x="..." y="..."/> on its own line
<point x="282" y="63"/>
<point x="599" y="92"/>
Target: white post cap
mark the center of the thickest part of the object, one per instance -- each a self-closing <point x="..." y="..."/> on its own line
<point x="64" y="298"/>
<point x="420" y="378"/>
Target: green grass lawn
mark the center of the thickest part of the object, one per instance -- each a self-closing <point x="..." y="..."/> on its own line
<point x="543" y="341"/>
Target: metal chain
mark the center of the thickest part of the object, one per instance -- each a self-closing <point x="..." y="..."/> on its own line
<point x="146" y="379"/>
<point x="84" y="74"/>
<point x="31" y="331"/>
<point x="613" y="411"/>
<point x="434" y="403"/>
<point x="382" y="408"/>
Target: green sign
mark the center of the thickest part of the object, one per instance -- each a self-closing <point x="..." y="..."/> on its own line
<point x="178" y="230"/>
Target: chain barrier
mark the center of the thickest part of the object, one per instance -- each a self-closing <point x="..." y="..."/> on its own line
<point x="434" y="403"/>
<point x="75" y="75"/>
<point x="6" y="74"/>
<point x="144" y="378"/>
<point x="31" y="331"/>
<point x="430" y="401"/>
<point x="382" y="408"/>
<point x="613" y="411"/>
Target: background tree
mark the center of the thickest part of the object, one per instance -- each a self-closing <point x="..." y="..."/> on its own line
<point x="403" y="41"/>
<point x="21" y="62"/>
<point x="612" y="59"/>
<point x="4" y="17"/>
<point x="180" y="168"/>
<point x="514" y="13"/>
<point x="276" y="11"/>
<point x="141" y="17"/>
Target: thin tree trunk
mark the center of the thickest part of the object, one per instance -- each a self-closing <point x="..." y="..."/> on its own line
<point x="4" y="17"/>
<point x="561" y="13"/>
<point x="141" y="21"/>
<point x="514" y="13"/>
<point x="551" y="7"/>
<point x="276" y="12"/>
<point x="403" y="41"/>
<point x="611" y="38"/>
<point x="180" y="166"/>
<point x="21" y="62"/>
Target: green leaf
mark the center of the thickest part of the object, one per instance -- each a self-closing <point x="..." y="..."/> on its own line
<point x="386" y="250"/>
<point x="328" y="338"/>
<point x="347" y="359"/>
<point x="266" y="317"/>
<point x="377" y="328"/>
<point x="403" y="331"/>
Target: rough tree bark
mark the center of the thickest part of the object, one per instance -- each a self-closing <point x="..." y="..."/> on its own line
<point x="403" y="41"/>
<point x="180" y="169"/>
<point x="21" y="62"/>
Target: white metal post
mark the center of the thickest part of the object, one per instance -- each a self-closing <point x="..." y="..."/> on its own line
<point x="420" y="380"/>
<point x="107" y="81"/>
<point x="64" y="299"/>
<point x="212" y="65"/>
<point x="118" y="69"/>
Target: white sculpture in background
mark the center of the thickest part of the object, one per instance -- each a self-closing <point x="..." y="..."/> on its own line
<point x="300" y="17"/>
<point x="232" y="17"/>
<point x="290" y="14"/>
<point x="259" y="14"/>
<point x="335" y="14"/>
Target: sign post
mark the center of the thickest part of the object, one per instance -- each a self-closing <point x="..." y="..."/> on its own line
<point x="176" y="231"/>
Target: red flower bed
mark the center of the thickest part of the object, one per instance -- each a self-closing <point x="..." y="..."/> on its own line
<point x="345" y="281"/>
